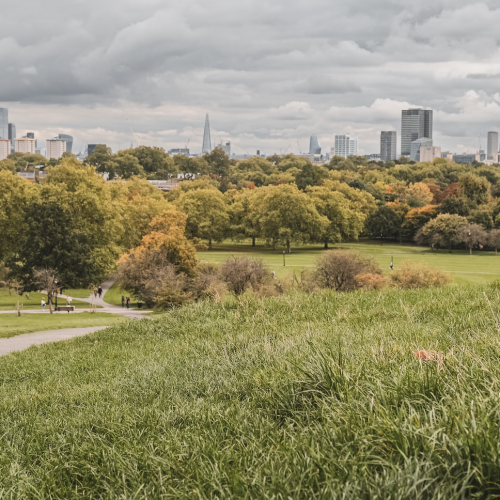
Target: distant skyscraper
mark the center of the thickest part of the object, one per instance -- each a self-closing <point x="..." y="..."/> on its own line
<point x="207" y="140"/>
<point x="314" y="146"/>
<point x="416" y="145"/>
<point x="24" y="145"/>
<point x="492" y="144"/>
<point x="91" y="147"/>
<point x="388" y="146"/>
<point x="415" y="124"/>
<point x="12" y="135"/>
<point x="226" y="148"/>
<point x="4" y="123"/>
<point x="69" y="141"/>
<point x="345" y="145"/>
<point x="4" y="148"/>
<point x="30" y="135"/>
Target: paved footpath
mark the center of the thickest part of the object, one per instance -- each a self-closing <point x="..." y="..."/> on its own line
<point x="21" y="342"/>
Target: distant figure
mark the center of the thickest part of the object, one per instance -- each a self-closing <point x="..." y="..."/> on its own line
<point x="392" y="266"/>
<point x="123" y="301"/>
<point x="68" y="301"/>
<point x="95" y="292"/>
<point x="274" y="275"/>
<point x="128" y="302"/>
<point x="99" y="291"/>
<point x="43" y="305"/>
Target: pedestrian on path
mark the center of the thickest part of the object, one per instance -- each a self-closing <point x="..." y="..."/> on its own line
<point x="43" y="305"/>
<point x="123" y="301"/>
<point x="99" y="291"/>
<point x="128" y="302"/>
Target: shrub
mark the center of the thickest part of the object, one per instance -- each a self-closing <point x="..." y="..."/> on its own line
<point x="337" y="269"/>
<point x="369" y="281"/>
<point x="208" y="283"/>
<point x="413" y="276"/>
<point x="240" y="273"/>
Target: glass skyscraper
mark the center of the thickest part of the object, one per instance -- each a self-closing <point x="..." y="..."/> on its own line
<point x="69" y="141"/>
<point x="388" y="146"/>
<point x="345" y="145"/>
<point x="314" y="145"/>
<point x="4" y="123"/>
<point x="207" y="140"/>
<point x="415" y="124"/>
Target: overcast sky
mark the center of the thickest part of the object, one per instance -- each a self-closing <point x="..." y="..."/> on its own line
<point x="269" y="73"/>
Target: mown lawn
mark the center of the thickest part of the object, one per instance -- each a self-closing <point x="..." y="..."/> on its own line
<point x="481" y="267"/>
<point x="301" y="396"/>
<point x="12" y="324"/>
<point x="8" y="302"/>
<point x="114" y="296"/>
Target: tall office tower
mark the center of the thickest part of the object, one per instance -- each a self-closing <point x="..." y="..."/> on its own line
<point x="30" y="135"/>
<point x="4" y="148"/>
<point x="345" y="145"/>
<point x="388" y="151"/>
<point x="226" y="148"/>
<point x="24" y="145"/>
<point x="4" y="123"/>
<point x="492" y="144"/>
<point x="69" y="141"/>
<point x="55" y="148"/>
<point x="207" y="140"/>
<point x="415" y="124"/>
<point x="314" y="145"/>
<point x="12" y="135"/>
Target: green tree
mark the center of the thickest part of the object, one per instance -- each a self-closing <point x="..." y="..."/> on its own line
<point x="154" y="161"/>
<point x="287" y="215"/>
<point x="455" y="206"/>
<point x="472" y="236"/>
<point x="483" y="217"/>
<point x="208" y="214"/>
<point x="218" y="162"/>
<point x="311" y="175"/>
<point x="127" y="165"/>
<point x="15" y="194"/>
<point x="344" y="223"/>
<point x="476" y="189"/>
<point x="102" y="159"/>
<point x="494" y="239"/>
<point x="7" y="165"/>
<point x="441" y="231"/>
<point x="385" y="222"/>
<point x="191" y="167"/>
<point x="244" y="213"/>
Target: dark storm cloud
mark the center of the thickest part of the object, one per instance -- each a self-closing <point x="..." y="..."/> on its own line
<point x="266" y="71"/>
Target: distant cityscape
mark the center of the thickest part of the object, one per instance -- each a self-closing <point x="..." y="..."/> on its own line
<point x="416" y="144"/>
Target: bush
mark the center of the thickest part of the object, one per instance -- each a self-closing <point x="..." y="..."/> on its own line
<point x="414" y="276"/>
<point x="368" y="281"/>
<point x="337" y="269"/>
<point x="208" y="283"/>
<point x="241" y="273"/>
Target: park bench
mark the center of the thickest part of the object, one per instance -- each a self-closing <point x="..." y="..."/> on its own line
<point x="65" y="308"/>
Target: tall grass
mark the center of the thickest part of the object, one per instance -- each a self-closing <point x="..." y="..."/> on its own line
<point x="301" y="396"/>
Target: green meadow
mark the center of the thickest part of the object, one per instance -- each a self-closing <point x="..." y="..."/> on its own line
<point x="295" y="397"/>
<point x="481" y="267"/>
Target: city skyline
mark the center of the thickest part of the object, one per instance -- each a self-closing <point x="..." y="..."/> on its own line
<point x="163" y="65"/>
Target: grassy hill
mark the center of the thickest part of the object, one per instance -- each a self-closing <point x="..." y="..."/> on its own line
<point x="294" y="397"/>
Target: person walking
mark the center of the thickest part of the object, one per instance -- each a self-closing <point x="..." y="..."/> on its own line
<point x="99" y="291"/>
<point x="128" y="302"/>
<point x="123" y="301"/>
<point x="43" y="305"/>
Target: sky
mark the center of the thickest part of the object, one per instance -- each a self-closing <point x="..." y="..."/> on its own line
<point x="270" y="74"/>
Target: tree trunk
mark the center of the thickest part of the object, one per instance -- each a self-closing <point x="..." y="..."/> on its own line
<point x="288" y="250"/>
<point x="253" y="241"/>
<point x="210" y="243"/>
<point x="470" y="251"/>
<point x="49" y="300"/>
<point x="326" y="245"/>
<point x="496" y="251"/>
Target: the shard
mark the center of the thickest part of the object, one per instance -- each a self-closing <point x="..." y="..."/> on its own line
<point x="207" y="141"/>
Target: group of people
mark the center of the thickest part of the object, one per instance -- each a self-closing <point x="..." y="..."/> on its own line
<point x="125" y="301"/>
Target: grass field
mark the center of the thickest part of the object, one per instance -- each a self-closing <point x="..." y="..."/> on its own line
<point x="301" y="396"/>
<point x="11" y="324"/>
<point x="8" y="301"/>
<point x="114" y="296"/>
<point x="481" y="267"/>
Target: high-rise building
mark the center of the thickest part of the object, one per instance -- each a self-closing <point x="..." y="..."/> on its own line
<point x="207" y="140"/>
<point x="415" y="124"/>
<point x="30" y="135"/>
<point x="4" y="123"/>
<point x="55" y="148"/>
<point x="4" y="148"/>
<point x="417" y="145"/>
<point x="429" y="153"/>
<point x="226" y="148"/>
<point x="314" y="145"/>
<point x="69" y="141"/>
<point x="388" y="146"/>
<point x="492" y="144"/>
<point x="24" y="145"/>
<point x="12" y="135"/>
<point x="91" y="147"/>
<point x="345" y="145"/>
